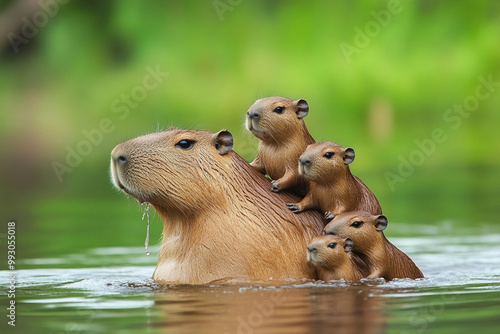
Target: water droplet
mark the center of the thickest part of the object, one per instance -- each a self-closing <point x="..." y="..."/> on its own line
<point x="146" y="214"/>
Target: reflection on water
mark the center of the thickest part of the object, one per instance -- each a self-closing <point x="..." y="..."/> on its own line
<point x="288" y="309"/>
<point x="110" y="289"/>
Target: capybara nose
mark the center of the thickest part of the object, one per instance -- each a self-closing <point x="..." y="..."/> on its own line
<point x="121" y="159"/>
<point x="118" y="156"/>
<point x="312" y="249"/>
<point x="253" y="115"/>
<point x="305" y="162"/>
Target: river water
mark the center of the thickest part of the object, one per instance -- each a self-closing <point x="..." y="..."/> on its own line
<point x="107" y="290"/>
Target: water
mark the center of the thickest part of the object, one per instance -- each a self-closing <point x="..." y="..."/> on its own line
<point x="108" y="289"/>
<point x="81" y="268"/>
<point x="146" y="214"/>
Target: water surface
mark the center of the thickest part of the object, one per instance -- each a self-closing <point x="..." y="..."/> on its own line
<point x="103" y="290"/>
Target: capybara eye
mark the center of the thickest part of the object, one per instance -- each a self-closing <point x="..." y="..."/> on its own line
<point x="329" y="155"/>
<point x="185" y="144"/>
<point x="279" y="110"/>
<point x="332" y="245"/>
<point x="357" y="224"/>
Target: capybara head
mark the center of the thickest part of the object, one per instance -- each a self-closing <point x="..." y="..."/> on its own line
<point x="362" y="227"/>
<point x="175" y="169"/>
<point x="329" y="251"/>
<point x="322" y="162"/>
<point x="273" y="119"/>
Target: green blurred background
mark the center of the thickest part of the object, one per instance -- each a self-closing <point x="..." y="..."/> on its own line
<point x="379" y="76"/>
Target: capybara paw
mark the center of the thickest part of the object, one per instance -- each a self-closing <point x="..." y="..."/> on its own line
<point x="275" y="187"/>
<point x="329" y="216"/>
<point x="293" y="207"/>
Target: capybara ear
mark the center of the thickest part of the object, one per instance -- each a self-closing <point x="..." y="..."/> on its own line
<point x="223" y="142"/>
<point x="348" y="156"/>
<point x="301" y="108"/>
<point x="348" y="245"/>
<point x="381" y="223"/>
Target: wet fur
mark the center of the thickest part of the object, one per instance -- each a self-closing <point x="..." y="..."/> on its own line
<point x="219" y="217"/>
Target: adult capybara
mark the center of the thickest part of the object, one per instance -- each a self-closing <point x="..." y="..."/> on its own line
<point x="219" y="217"/>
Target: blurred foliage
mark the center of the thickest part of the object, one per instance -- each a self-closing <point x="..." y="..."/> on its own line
<point x="395" y="91"/>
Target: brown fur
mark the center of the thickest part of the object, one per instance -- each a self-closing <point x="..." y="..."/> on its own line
<point x="383" y="258"/>
<point x="219" y="217"/>
<point x="283" y="138"/>
<point x="337" y="262"/>
<point x="333" y="189"/>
